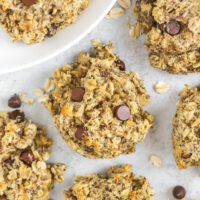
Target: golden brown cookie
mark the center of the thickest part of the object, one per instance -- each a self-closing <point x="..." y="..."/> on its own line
<point x="97" y="106"/>
<point x="24" y="150"/>
<point x="186" y="132"/>
<point x="33" y="20"/>
<point x="172" y="33"/>
<point x="119" y="183"/>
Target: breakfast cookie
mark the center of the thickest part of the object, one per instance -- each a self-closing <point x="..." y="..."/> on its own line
<point x="172" y="31"/>
<point x="33" y="20"/>
<point x="24" y="147"/>
<point x="98" y="106"/>
<point x="186" y="132"/>
<point x="120" y="183"/>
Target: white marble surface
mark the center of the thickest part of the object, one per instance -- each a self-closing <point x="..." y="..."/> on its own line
<point x="161" y="106"/>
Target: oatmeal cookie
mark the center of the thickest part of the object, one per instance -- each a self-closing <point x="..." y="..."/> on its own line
<point x="33" y="20"/>
<point x="24" y="150"/>
<point x="98" y="106"/>
<point x="186" y="132"/>
<point x="172" y="33"/>
<point x="120" y="183"/>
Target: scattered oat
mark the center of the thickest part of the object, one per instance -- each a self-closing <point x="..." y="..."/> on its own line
<point x="134" y="31"/>
<point x="96" y="42"/>
<point x="49" y="85"/>
<point x="161" y="87"/>
<point x="26" y="99"/>
<point x="39" y="92"/>
<point x="115" y="13"/>
<point x="43" y="98"/>
<point x="187" y="86"/>
<point x="155" y="161"/>
<point x="124" y="3"/>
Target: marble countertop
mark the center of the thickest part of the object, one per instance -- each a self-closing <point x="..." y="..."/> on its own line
<point x="163" y="107"/>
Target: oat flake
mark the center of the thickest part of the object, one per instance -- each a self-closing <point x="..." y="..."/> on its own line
<point x="155" y="161"/>
<point x="161" y="87"/>
<point x="124" y="3"/>
<point x="115" y="13"/>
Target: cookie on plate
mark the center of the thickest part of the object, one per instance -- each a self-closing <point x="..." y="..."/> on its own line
<point x="186" y="132"/>
<point x="172" y="33"/>
<point x="33" y="20"/>
<point x="119" y="183"/>
<point x="98" y="106"/>
<point x="24" y="147"/>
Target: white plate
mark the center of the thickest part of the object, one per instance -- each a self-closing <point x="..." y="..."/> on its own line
<point x="15" y="56"/>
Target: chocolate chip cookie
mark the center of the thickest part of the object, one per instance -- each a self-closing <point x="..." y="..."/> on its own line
<point x="33" y="20"/>
<point x="97" y="106"/>
<point x="172" y="33"/>
<point x="119" y="183"/>
<point x="24" y="150"/>
<point x="186" y="132"/>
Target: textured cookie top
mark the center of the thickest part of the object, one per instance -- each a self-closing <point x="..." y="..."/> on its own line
<point x="97" y="107"/>
<point x="32" y="20"/>
<point x="173" y="33"/>
<point x="119" y="183"/>
<point x="186" y="132"/>
<point x="24" y="149"/>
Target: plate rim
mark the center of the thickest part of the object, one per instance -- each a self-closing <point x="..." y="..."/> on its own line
<point x="64" y="48"/>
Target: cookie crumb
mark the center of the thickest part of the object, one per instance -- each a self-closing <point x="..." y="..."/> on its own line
<point x="49" y="85"/>
<point x="25" y="99"/>
<point x="43" y="98"/>
<point x="39" y="92"/>
<point x="115" y="13"/>
<point x="155" y="161"/>
<point x="161" y="87"/>
<point x="126" y="4"/>
<point x="96" y="42"/>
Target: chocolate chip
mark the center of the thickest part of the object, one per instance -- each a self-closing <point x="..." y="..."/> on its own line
<point x="77" y="94"/>
<point x="3" y="197"/>
<point x="9" y="161"/>
<point x="51" y="31"/>
<point x="122" y="112"/>
<point x="121" y="65"/>
<point x="29" y="2"/>
<point x="14" y="101"/>
<point x="17" y="115"/>
<point x="80" y="132"/>
<point x="173" y="27"/>
<point x="27" y="157"/>
<point x="179" y="192"/>
<point x="186" y="156"/>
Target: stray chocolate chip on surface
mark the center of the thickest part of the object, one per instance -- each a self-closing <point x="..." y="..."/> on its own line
<point x="17" y="115"/>
<point x="77" y="94"/>
<point x="179" y="192"/>
<point x="80" y="132"/>
<point x="122" y="112"/>
<point x="29" y="2"/>
<point x="173" y="27"/>
<point x="27" y="157"/>
<point x="14" y="101"/>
